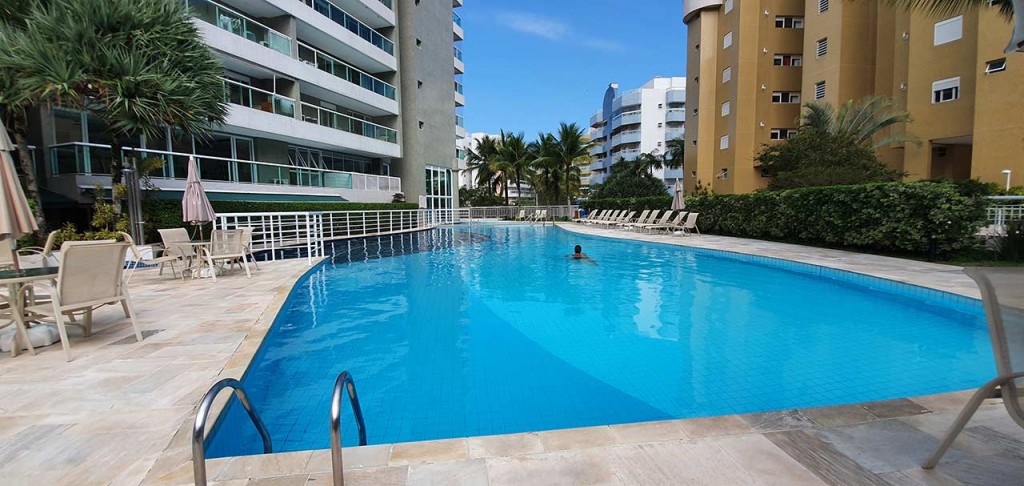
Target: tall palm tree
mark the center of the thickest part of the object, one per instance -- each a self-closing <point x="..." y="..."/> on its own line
<point x="674" y="150"/>
<point x="859" y="122"/>
<point x="480" y="160"/>
<point x="646" y="163"/>
<point x="547" y="171"/>
<point x="569" y="148"/>
<point x="137" y="66"/>
<point x="515" y="152"/>
<point x="1009" y="8"/>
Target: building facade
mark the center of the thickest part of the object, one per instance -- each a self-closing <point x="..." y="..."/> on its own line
<point x="636" y="122"/>
<point x="329" y="100"/>
<point x="752" y="64"/>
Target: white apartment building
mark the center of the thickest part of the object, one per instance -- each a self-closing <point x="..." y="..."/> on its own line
<point x="330" y="100"/>
<point x="638" y="121"/>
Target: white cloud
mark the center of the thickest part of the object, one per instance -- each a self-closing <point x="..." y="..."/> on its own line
<point x="534" y="25"/>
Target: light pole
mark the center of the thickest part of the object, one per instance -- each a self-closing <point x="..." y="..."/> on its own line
<point x="1007" y="172"/>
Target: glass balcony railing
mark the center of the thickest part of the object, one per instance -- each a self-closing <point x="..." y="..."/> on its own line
<point x="458" y="53"/>
<point x="240" y="25"/>
<point x="332" y="119"/>
<point x="387" y="3"/>
<point x="242" y="94"/>
<point x="456" y="19"/>
<point x="459" y="121"/>
<point x="340" y="17"/>
<point x="458" y="87"/>
<point x="332" y="65"/>
<point x="93" y="159"/>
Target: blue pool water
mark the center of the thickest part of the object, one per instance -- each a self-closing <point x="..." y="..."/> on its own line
<point x="490" y="330"/>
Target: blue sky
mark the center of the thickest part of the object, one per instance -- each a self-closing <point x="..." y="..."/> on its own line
<point x="533" y="63"/>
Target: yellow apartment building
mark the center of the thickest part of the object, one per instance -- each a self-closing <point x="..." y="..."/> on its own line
<point x="751" y="64"/>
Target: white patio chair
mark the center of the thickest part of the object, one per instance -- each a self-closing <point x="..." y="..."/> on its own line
<point x="247" y="244"/>
<point x="40" y="256"/>
<point x="691" y="224"/>
<point x="677" y="223"/>
<point x="177" y="243"/>
<point x="91" y="276"/>
<point x="1002" y="293"/>
<point x="226" y="249"/>
<point x="590" y="217"/>
<point x="652" y="218"/>
<point x="168" y="258"/>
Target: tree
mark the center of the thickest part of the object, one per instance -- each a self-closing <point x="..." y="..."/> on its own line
<point x="137" y="66"/>
<point x="859" y="122"/>
<point x="645" y="163"/>
<point x="517" y="158"/>
<point x="816" y="157"/>
<point x="568" y="147"/>
<point x="547" y="170"/>
<point x="1009" y="9"/>
<point x="480" y="160"/>
<point x="674" y="151"/>
<point x="626" y="181"/>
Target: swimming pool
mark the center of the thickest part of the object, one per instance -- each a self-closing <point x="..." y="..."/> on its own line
<point x="490" y="330"/>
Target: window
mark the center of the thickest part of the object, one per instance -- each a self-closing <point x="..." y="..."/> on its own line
<point x="728" y="6"/>
<point x="660" y="105"/>
<point x="786" y="97"/>
<point x="727" y="74"/>
<point x="789" y="60"/>
<point x="949" y="30"/>
<point x="946" y="90"/>
<point x="822" y="48"/>
<point x="723" y="143"/>
<point x="783" y="133"/>
<point x="819" y="90"/>
<point x="727" y="40"/>
<point x="995" y="66"/>
<point x="419" y="43"/>
<point x="789" y="22"/>
<point x="726" y="108"/>
<point x="822" y="6"/>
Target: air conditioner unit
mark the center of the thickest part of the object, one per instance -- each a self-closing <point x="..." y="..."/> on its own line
<point x="906" y="36"/>
<point x="903" y="86"/>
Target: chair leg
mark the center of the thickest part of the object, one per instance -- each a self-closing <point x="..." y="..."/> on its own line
<point x="87" y="321"/>
<point x="984" y="392"/>
<point x="253" y="258"/>
<point x="127" y="303"/>
<point x="245" y="263"/>
<point x="63" y="330"/>
<point x="131" y="271"/>
<point x="124" y="307"/>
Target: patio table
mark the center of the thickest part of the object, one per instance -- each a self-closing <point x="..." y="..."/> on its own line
<point x="15" y="280"/>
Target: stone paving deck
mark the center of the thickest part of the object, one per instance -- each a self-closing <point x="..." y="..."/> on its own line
<point x="120" y="412"/>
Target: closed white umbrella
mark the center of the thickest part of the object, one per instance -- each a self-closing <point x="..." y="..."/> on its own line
<point x="678" y="202"/>
<point x="195" y="206"/>
<point x="16" y="219"/>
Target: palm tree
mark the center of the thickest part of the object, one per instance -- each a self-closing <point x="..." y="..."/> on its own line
<point x="480" y="160"/>
<point x="569" y="148"/>
<point x="547" y="171"/>
<point x="646" y="163"/>
<point x="858" y="122"/>
<point x="946" y="7"/>
<point x="515" y="152"/>
<point x="674" y="150"/>
<point x="139" y="67"/>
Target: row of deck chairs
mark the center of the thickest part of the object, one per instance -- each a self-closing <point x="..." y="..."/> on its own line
<point x="649" y="221"/>
<point x="538" y="215"/>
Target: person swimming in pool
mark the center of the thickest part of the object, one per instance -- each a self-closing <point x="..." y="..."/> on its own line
<point x="577" y="254"/>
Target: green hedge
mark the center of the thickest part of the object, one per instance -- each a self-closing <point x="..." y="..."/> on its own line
<point x="166" y="213"/>
<point x="630" y="203"/>
<point x="888" y="218"/>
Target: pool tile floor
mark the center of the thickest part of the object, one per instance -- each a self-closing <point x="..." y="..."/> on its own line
<point x="120" y="412"/>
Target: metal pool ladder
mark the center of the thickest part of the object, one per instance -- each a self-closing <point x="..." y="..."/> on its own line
<point x="199" y="427"/>
<point x="342" y="384"/>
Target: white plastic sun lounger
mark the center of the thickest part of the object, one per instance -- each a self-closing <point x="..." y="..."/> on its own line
<point x="664" y="220"/>
<point x="651" y="219"/>
<point x="621" y="219"/>
<point x="590" y="217"/>
<point x="607" y="216"/>
<point x="676" y="223"/>
<point x="691" y="224"/>
<point x="1002" y="293"/>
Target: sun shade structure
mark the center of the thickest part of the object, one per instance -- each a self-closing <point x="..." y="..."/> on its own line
<point x="678" y="203"/>
<point x="16" y="218"/>
<point x="195" y="206"/>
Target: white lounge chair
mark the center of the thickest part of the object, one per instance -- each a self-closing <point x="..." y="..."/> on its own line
<point x="91" y="276"/>
<point x="167" y="259"/>
<point x="676" y="223"/>
<point x="40" y="256"/>
<point x="247" y="243"/>
<point x="691" y="224"/>
<point x="626" y="220"/>
<point x="664" y="220"/>
<point x="614" y="219"/>
<point x="177" y="243"/>
<point x="1002" y="292"/>
<point x="652" y="218"/>
<point x="590" y="217"/>
<point x="640" y="219"/>
<point x="226" y="249"/>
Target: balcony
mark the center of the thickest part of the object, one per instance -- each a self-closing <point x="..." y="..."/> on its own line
<point x="596" y="150"/>
<point x="674" y="133"/>
<point x="677" y="95"/>
<point x="340" y="69"/>
<point x="675" y="115"/>
<point x="460" y="97"/>
<point x="250" y="97"/>
<point x="457" y="27"/>
<point x="672" y="174"/>
<point x="342" y="18"/>
<point x="597" y="118"/>
<point x="460" y="127"/>
<point x="456" y="3"/>
<point x="628" y="136"/>
<point x="90" y="165"/>
<point x="628" y="98"/>
<point x="240" y="25"/>
<point x="627" y="118"/>
<point x="332" y="119"/>
<point x="625" y="155"/>
<point x="460" y="66"/>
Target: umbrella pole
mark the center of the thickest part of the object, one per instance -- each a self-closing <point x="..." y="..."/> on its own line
<point x="14" y="256"/>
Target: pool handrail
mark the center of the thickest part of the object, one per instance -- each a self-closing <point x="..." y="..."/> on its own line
<point x="199" y="426"/>
<point x="343" y="383"/>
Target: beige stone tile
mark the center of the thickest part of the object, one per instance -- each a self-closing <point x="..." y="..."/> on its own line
<point x="715" y="426"/>
<point x="918" y="477"/>
<point x="944" y="402"/>
<point x="648" y="432"/>
<point x="465" y="473"/>
<point x="581" y="438"/>
<point x="429" y="451"/>
<point x="290" y="480"/>
<point x="589" y="467"/>
<point x="839" y="415"/>
<point x="677" y="462"/>
<point x="504" y="445"/>
<point x="381" y="476"/>
<point x="351" y="458"/>
<point x="264" y="465"/>
<point x="766" y="462"/>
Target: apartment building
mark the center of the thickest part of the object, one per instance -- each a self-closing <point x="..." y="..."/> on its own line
<point x="330" y="100"/>
<point x="751" y="65"/>
<point x="638" y="121"/>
